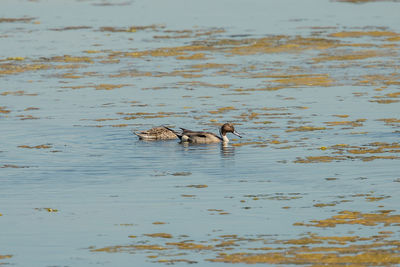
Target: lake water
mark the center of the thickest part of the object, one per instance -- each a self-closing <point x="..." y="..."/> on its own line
<point x="313" y="86"/>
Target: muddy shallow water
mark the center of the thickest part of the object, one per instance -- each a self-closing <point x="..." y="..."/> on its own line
<point x="312" y="85"/>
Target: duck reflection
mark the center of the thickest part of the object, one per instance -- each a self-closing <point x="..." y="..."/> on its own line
<point x="227" y="150"/>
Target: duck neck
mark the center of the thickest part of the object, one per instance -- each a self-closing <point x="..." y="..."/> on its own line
<point x="223" y="136"/>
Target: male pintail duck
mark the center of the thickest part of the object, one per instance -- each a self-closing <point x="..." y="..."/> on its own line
<point x="157" y="133"/>
<point x="207" y="137"/>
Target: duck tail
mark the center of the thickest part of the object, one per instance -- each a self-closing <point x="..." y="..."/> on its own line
<point x="141" y="136"/>
<point x="175" y="132"/>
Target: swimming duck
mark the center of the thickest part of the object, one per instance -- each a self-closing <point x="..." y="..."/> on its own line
<point x="207" y="137"/>
<point x="157" y="133"/>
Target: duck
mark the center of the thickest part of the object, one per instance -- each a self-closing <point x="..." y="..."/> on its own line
<point x="157" y="133"/>
<point x="207" y="137"/>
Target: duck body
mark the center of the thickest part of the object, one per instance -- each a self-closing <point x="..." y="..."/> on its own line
<point x="157" y="133"/>
<point x="198" y="137"/>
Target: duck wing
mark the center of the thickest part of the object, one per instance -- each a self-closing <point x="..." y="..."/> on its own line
<point x="192" y="134"/>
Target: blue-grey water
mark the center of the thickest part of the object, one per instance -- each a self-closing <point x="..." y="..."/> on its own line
<point x="320" y="123"/>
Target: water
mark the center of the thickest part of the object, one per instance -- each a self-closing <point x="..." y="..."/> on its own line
<point x="312" y="85"/>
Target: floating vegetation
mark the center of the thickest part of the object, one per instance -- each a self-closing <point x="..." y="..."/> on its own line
<point x="363" y="34"/>
<point x="310" y="248"/>
<point x="306" y="80"/>
<point x="109" y="86"/>
<point x="13" y="166"/>
<point x="355" y="217"/>
<point x="197" y="185"/>
<point x="44" y="146"/>
<point x="181" y="173"/>
<point x="305" y="129"/>
<point x="47" y="209"/>
<point x="348" y="152"/>
<point x="159" y="223"/>
<point x="3" y="110"/>
<point x="12" y="20"/>
<point x="162" y="235"/>
<point x="131" y="29"/>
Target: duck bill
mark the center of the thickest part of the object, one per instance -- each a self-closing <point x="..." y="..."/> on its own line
<point x="237" y="134"/>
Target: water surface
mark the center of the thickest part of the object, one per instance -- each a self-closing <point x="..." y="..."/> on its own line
<point x="313" y="85"/>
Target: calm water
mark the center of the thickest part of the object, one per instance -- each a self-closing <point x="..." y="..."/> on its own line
<point x="318" y="109"/>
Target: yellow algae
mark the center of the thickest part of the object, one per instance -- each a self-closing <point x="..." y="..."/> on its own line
<point x="317" y="159"/>
<point x="51" y="210"/>
<point x="31" y="108"/>
<point x="317" y="259"/>
<point x="190" y="246"/>
<point x="277" y="44"/>
<point x="249" y="143"/>
<point x="109" y="86"/>
<point x="356" y="123"/>
<point x="132" y="29"/>
<point x="263" y="122"/>
<point x="173" y="261"/>
<point x="306" y="80"/>
<point x="120" y="125"/>
<point x="13" y="166"/>
<point x="164" y="51"/>
<point x="390" y="121"/>
<point x="321" y="205"/>
<point x="162" y="235"/>
<point x="2" y="257"/>
<point x="197" y="185"/>
<point x="92" y="51"/>
<point x="9" y="20"/>
<point x="355" y="217"/>
<point x="372" y="199"/>
<point x="128" y="248"/>
<point x="385" y="101"/>
<point x="341" y="56"/>
<point x="212" y="66"/>
<point x="226" y="243"/>
<point x="11" y="68"/>
<point x="17" y="93"/>
<point x="195" y="56"/>
<point x="394" y="95"/>
<point x="341" y="116"/>
<point x="74" y="59"/>
<point x="191" y="196"/>
<point x="370" y="158"/>
<point x="394" y="39"/>
<point x="44" y="146"/>
<point x="68" y="28"/>
<point x="222" y="110"/>
<point x="47" y="209"/>
<point x="69" y="76"/>
<point x="105" y="119"/>
<point x="363" y="150"/>
<point x="181" y="173"/>
<point x="346" y="34"/>
<point x="159" y="223"/>
<point x="303" y="241"/>
<point x="378" y="79"/>
<point x="27" y="117"/>
<point x="16" y="58"/>
<point x="204" y="84"/>
<point x="305" y="129"/>
<point x="3" y="110"/>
